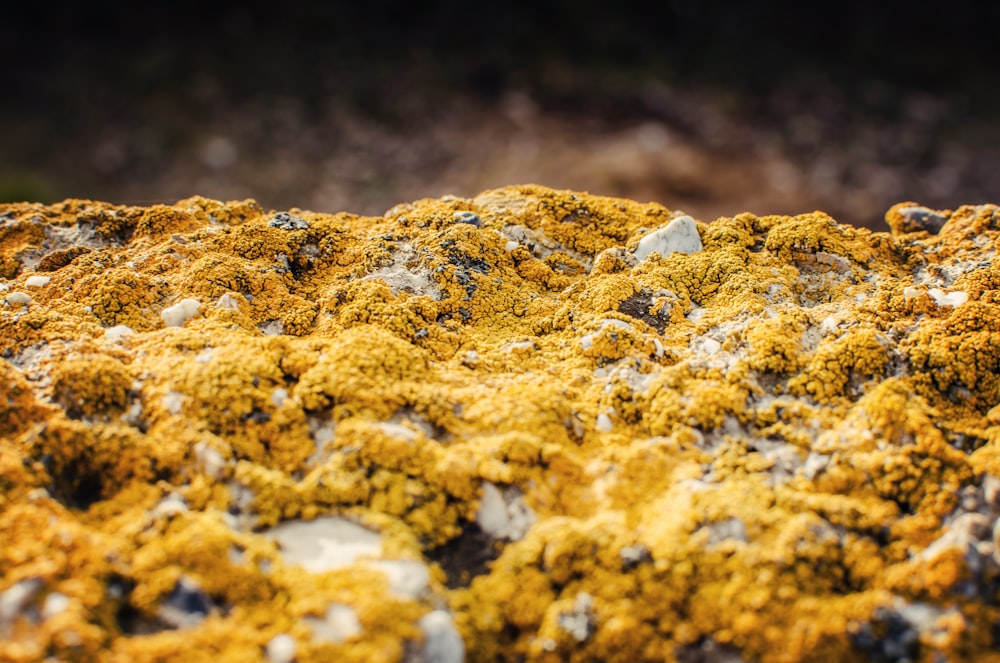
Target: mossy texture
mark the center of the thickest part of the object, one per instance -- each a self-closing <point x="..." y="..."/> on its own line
<point x="783" y="447"/>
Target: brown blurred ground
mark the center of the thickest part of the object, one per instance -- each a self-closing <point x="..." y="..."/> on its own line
<point x="712" y="108"/>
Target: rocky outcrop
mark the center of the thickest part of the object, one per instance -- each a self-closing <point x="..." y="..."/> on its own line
<point x="533" y="425"/>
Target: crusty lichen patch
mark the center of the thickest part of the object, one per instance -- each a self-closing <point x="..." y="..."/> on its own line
<point x="784" y="446"/>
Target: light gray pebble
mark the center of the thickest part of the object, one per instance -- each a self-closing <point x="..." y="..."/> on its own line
<point x="286" y="221"/>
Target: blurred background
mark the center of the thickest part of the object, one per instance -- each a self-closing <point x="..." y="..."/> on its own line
<point x="708" y="107"/>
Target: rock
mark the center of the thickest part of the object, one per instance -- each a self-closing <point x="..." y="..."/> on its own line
<point x="679" y="236"/>
<point x="495" y="429"/>
<point x="910" y="218"/>
<point x="181" y="312"/>
<point x="286" y="221"/>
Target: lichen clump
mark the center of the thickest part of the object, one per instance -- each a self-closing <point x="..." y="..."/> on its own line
<point x="777" y="442"/>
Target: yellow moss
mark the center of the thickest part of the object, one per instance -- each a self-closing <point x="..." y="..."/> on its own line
<point x="837" y="367"/>
<point x="752" y="445"/>
<point x="775" y="343"/>
<point x="91" y="387"/>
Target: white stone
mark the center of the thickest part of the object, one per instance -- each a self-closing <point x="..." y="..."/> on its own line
<point x="408" y="578"/>
<point x="909" y="292"/>
<point x="500" y="519"/>
<point x="209" y="460"/>
<point x="711" y="346"/>
<point x="18" y="298"/>
<point x="37" y="281"/>
<point x="326" y="543"/>
<point x="578" y="622"/>
<point x="442" y="642"/>
<point x="272" y="328"/>
<point x="323" y="434"/>
<point x="603" y="423"/>
<point x="942" y="298"/>
<point x="680" y="236"/>
<point x="181" y="312"/>
<point x="228" y="302"/>
<point x="492" y="514"/>
<point x="615" y="322"/>
<point x="281" y="649"/>
<point x="398" y="431"/>
<point x="17" y="597"/>
<point x="338" y="625"/>
<point x="173" y="401"/>
<point x="519" y="345"/>
<point x="117" y="333"/>
<point x="696" y="314"/>
<point x="279" y="396"/>
<point x="55" y="603"/>
<point x="171" y="505"/>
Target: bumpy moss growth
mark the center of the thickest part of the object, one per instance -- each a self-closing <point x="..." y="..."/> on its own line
<point x="784" y="446"/>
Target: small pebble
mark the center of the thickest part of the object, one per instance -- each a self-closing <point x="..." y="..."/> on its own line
<point x="281" y="649"/>
<point x="18" y="298"/>
<point x="228" y="302"/>
<point x="942" y="298"/>
<point x="117" y="333"/>
<point x="55" y="603"/>
<point x="604" y="423"/>
<point x="279" y="396"/>
<point x="37" y="281"/>
<point x="442" y="642"/>
<point x="181" y="312"/>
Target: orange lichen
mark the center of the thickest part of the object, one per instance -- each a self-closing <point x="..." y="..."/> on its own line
<point x="784" y="446"/>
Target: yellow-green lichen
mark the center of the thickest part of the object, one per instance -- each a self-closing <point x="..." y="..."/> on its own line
<point x="785" y="446"/>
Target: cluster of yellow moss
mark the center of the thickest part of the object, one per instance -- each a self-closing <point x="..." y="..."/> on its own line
<point x="763" y="446"/>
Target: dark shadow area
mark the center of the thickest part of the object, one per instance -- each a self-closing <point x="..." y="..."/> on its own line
<point x="709" y="107"/>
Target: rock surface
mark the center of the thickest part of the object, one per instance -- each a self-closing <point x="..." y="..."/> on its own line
<point x="519" y="434"/>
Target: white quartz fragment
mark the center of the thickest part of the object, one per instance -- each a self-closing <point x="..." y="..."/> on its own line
<point x="281" y="649"/>
<point x="228" y="302"/>
<point x="603" y="423"/>
<point x="340" y="623"/>
<point x="408" y="578"/>
<point x="117" y="333"/>
<point x="501" y="519"/>
<point x="279" y="396"/>
<point x="173" y="401"/>
<point x="209" y="460"/>
<point x="326" y="543"/>
<point x="181" y="312"/>
<point x="711" y="346"/>
<point x="442" y="642"/>
<point x="680" y="236"/>
<point x="696" y="314"/>
<point x="18" y="298"/>
<point x="942" y="298"/>
<point x="37" y="281"/>
<point x="55" y="603"/>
